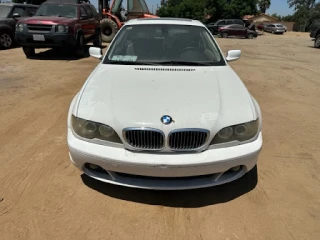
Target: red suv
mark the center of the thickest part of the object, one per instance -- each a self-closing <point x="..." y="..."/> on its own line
<point x="60" y="23"/>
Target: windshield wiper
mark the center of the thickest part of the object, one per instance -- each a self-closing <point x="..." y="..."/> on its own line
<point x="131" y="63"/>
<point x="185" y="63"/>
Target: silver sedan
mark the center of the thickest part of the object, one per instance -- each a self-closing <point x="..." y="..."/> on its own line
<point x="274" y="28"/>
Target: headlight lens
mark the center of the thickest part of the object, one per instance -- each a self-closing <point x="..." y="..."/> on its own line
<point x="91" y="130"/>
<point x="240" y="132"/>
<point x="19" y="27"/>
<point x="62" y="28"/>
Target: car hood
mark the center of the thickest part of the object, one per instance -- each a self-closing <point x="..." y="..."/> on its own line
<point x="136" y="96"/>
<point x="47" y="20"/>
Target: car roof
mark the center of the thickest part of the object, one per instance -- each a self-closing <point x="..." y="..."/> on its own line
<point x="18" y="4"/>
<point x="176" y="21"/>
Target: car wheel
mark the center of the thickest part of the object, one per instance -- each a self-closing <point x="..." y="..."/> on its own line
<point x="250" y="36"/>
<point x="108" y="29"/>
<point x="97" y="42"/>
<point x="80" y="46"/>
<point x="317" y="42"/>
<point x="6" y="40"/>
<point x="28" y="51"/>
<point x="224" y="35"/>
<point x="272" y="32"/>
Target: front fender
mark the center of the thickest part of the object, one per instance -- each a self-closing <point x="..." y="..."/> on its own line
<point x="72" y="108"/>
<point x="257" y="111"/>
<point x="5" y="27"/>
<point x="77" y="30"/>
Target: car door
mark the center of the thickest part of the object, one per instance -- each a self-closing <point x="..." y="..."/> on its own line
<point x="267" y="28"/>
<point x="92" y="20"/>
<point x="239" y="30"/>
<point x="85" y="23"/>
<point x="231" y="30"/>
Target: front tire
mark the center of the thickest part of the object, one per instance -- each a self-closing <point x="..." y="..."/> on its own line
<point x="97" y="42"/>
<point x="224" y="35"/>
<point x="6" y="40"/>
<point x="108" y="29"/>
<point x="317" y="42"/>
<point x="250" y="36"/>
<point x="80" y="46"/>
<point x="28" y="51"/>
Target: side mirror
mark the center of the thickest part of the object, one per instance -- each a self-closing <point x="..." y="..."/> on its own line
<point x="233" y="55"/>
<point x="31" y="14"/>
<point x="84" y="16"/>
<point x="16" y="15"/>
<point x="95" y="52"/>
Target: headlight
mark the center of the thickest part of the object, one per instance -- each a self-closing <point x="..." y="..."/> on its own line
<point x="62" y="28"/>
<point x="240" y="132"/>
<point x="19" y="27"/>
<point x="91" y="130"/>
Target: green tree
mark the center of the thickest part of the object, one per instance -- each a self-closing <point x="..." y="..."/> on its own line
<point x="230" y="8"/>
<point x="217" y="9"/>
<point x="183" y="9"/>
<point x="264" y="5"/>
<point x="305" y="12"/>
<point x="279" y="17"/>
<point x="307" y="4"/>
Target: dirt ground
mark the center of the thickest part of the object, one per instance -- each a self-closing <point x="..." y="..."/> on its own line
<point x="43" y="196"/>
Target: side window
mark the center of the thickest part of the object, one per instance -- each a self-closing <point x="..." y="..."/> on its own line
<point x="82" y="11"/>
<point x="94" y="11"/>
<point x="89" y="12"/>
<point x="229" y="22"/>
<point x="222" y="23"/>
<point x="21" y="11"/>
<point x="238" y="22"/>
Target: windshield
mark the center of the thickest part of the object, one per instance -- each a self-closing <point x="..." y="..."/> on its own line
<point x="279" y="25"/>
<point x="164" y="44"/>
<point x="4" y="11"/>
<point x="57" y="10"/>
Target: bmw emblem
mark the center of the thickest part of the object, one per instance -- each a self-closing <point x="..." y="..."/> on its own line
<point x="166" y="119"/>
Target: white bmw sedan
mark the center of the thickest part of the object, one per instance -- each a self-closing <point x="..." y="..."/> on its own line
<point x="164" y="110"/>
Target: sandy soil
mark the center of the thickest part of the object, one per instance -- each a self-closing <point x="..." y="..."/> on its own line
<point x="43" y="196"/>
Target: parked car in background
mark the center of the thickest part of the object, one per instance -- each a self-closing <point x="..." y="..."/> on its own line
<point x="315" y="33"/>
<point x="60" y="24"/>
<point x="236" y="30"/>
<point x="209" y="135"/>
<point x="261" y="26"/>
<point x="281" y="25"/>
<point x="214" y="27"/>
<point x="274" y="28"/>
<point x="10" y="13"/>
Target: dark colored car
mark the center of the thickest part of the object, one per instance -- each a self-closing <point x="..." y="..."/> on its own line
<point x="261" y="26"/>
<point x="315" y="33"/>
<point x="60" y="24"/>
<point x="237" y="31"/>
<point x="214" y="27"/>
<point x="10" y="13"/>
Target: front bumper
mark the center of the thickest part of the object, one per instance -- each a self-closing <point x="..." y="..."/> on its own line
<point x="163" y="171"/>
<point x="51" y="40"/>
